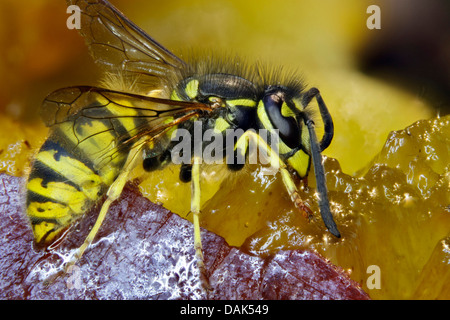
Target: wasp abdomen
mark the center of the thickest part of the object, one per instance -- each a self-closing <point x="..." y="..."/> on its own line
<point x="71" y="172"/>
<point x="59" y="190"/>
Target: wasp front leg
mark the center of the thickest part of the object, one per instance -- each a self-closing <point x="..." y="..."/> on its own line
<point x="241" y="148"/>
<point x="113" y="193"/>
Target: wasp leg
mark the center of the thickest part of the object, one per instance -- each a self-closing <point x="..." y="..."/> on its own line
<point x="113" y="194"/>
<point x="186" y="172"/>
<point x="195" y="210"/>
<point x="275" y="162"/>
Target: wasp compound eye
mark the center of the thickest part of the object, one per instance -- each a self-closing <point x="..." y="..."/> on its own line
<point x="288" y="127"/>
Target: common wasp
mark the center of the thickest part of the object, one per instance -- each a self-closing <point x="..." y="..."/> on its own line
<point x="98" y="135"/>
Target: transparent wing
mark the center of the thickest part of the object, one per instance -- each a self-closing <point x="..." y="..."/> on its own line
<point x="116" y="43"/>
<point x="97" y="125"/>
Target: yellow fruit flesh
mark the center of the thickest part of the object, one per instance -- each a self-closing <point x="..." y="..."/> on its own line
<point x="395" y="215"/>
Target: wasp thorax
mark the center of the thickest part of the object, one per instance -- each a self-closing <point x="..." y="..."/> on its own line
<point x="236" y="95"/>
<point x="221" y="85"/>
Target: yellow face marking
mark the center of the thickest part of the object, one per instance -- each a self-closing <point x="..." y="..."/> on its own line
<point x="300" y="163"/>
<point x="283" y="148"/>
<point x="192" y="89"/>
<point x="298" y="104"/>
<point x="305" y="138"/>
<point x="286" y="111"/>
<point x="262" y="115"/>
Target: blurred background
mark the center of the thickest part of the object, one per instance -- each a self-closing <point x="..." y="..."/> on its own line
<point x="373" y="81"/>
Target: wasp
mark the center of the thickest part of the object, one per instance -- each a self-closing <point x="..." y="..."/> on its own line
<point x="99" y="134"/>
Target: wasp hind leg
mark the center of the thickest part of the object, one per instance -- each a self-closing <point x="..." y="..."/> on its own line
<point x="195" y="210"/>
<point x="113" y="193"/>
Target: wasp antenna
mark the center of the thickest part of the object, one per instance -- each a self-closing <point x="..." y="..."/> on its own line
<point x="325" y="114"/>
<point x="324" y="204"/>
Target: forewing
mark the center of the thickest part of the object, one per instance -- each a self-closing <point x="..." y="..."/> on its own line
<point x="98" y="124"/>
<point x="117" y="44"/>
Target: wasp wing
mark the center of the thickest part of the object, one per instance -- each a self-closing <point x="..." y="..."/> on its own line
<point x="117" y="44"/>
<point x="97" y="125"/>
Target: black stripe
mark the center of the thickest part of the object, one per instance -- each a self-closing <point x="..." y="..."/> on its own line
<point x="35" y="220"/>
<point x="94" y="113"/>
<point x="59" y="142"/>
<point x="324" y="204"/>
<point x="40" y="170"/>
<point x="326" y="117"/>
<point x="39" y="198"/>
<point x="92" y="116"/>
<point x="141" y="123"/>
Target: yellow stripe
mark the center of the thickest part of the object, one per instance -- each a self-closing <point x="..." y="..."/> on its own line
<point x="91" y="138"/>
<point x="175" y="96"/>
<point x="305" y="138"/>
<point x="241" y="145"/>
<point x="125" y="115"/>
<point x="221" y="125"/>
<point x="172" y="129"/>
<point x="98" y="144"/>
<point x="262" y="115"/>
<point x="300" y="163"/>
<point x="74" y="170"/>
<point x="49" y="210"/>
<point x="41" y="229"/>
<point x="286" y="111"/>
<point x="52" y="211"/>
<point x="298" y="104"/>
<point x="192" y="89"/>
<point x="241" y="102"/>
<point x="60" y="192"/>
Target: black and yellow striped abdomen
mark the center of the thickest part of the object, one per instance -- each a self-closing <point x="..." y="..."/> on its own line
<point x="78" y="162"/>
<point x="60" y="189"/>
